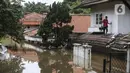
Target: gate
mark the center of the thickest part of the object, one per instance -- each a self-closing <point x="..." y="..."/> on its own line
<point x="115" y="62"/>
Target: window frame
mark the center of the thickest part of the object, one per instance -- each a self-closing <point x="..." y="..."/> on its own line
<point x="98" y="18"/>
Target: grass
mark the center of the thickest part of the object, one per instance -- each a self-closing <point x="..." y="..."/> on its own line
<point x="6" y="41"/>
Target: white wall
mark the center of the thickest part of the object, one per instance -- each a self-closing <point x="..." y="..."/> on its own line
<point x="124" y="22"/>
<point x="107" y="9"/>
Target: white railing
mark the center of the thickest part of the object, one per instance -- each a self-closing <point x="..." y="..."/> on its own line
<point x="28" y="38"/>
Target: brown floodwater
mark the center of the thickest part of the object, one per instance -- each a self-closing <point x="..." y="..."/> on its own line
<point x="50" y="61"/>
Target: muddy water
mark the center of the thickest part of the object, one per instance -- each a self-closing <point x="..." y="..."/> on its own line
<point x="50" y="61"/>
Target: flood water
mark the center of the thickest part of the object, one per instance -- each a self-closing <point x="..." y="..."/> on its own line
<point x="50" y="61"/>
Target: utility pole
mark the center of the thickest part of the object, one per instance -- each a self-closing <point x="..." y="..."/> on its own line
<point x="128" y="60"/>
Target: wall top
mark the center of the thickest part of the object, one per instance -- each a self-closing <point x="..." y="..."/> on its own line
<point x="77" y="44"/>
<point x="87" y="46"/>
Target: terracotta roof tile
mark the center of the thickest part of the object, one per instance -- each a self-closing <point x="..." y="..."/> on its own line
<point x="32" y="19"/>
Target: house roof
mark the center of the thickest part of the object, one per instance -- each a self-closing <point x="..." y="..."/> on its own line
<point x="31" y="32"/>
<point x="120" y="42"/>
<point x="92" y="39"/>
<point x="32" y="18"/>
<point x="87" y="3"/>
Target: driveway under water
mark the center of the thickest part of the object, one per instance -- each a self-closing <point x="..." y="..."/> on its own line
<point x="50" y="61"/>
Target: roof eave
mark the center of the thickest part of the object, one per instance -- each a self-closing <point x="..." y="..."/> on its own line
<point x="89" y="4"/>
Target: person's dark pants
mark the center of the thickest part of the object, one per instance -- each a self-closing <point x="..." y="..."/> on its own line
<point x="105" y="30"/>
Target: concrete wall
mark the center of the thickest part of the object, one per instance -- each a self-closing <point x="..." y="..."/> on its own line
<point x="81" y="23"/>
<point x="82" y="56"/>
<point x="124" y="22"/>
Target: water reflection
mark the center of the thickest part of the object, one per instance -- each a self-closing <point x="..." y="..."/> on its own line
<point x="30" y="67"/>
<point x="50" y="61"/>
<point x="55" y="61"/>
<point x="11" y="66"/>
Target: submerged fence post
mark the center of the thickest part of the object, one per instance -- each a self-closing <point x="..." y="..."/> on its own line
<point x="82" y="55"/>
<point x="104" y="65"/>
<point x="76" y="53"/>
<point x="87" y="56"/>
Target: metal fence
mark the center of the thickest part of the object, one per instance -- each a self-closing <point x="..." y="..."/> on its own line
<point x="115" y="62"/>
<point x="109" y="61"/>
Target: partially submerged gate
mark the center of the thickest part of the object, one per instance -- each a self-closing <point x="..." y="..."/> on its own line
<point x="115" y="62"/>
<point x="114" y="57"/>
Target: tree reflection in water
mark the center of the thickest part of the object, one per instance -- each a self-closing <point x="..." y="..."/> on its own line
<point x="11" y="66"/>
<point x="55" y="62"/>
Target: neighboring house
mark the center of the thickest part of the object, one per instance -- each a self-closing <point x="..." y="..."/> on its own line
<point x="31" y="22"/>
<point x="102" y="8"/>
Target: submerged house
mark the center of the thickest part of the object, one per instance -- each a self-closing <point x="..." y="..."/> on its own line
<point x="120" y="23"/>
<point x="31" y="22"/>
<point x="118" y="47"/>
<point x="102" y="8"/>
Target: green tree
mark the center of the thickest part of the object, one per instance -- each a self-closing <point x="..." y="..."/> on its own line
<point x="16" y="8"/>
<point x="9" y="20"/>
<point x="45" y="30"/>
<point x="74" y="3"/>
<point x="56" y="22"/>
<point x="36" y="7"/>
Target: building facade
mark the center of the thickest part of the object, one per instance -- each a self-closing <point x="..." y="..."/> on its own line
<point x="102" y="8"/>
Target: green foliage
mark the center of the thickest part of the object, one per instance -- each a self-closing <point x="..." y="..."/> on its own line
<point x="56" y="23"/>
<point x="7" y="41"/>
<point x="11" y="66"/>
<point x="74" y="3"/>
<point x="36" y="7"/>
<point x="63" y="33"/>
<point x="59" y="13"/>
<point x="45" y="29"/>
<point x="18" y="2"/>
<point x="9" y="20"/>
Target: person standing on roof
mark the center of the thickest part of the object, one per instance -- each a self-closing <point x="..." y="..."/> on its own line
<point x="105" y="25"/>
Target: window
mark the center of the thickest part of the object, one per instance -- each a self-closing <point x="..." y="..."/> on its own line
<point x="99" y="18"/>
<point x="28" y="27"/>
